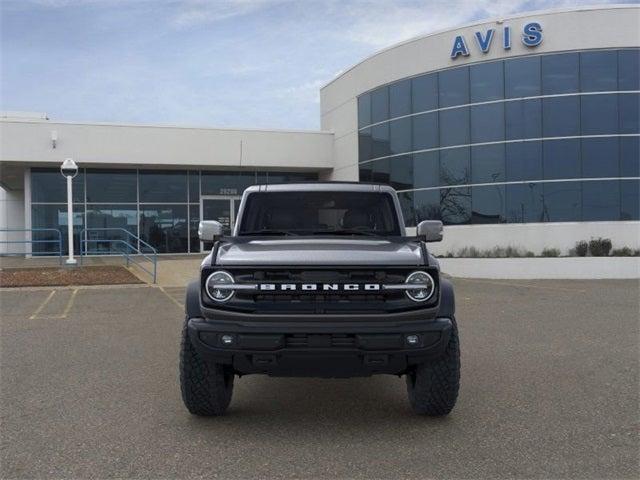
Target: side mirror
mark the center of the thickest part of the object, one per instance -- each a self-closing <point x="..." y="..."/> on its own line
<point x="209" y="230"/>
<point x="429" y="231"/>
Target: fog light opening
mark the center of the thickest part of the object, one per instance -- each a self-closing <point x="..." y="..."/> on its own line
<point x="227" y="340"/>
<point x="412" y="340"/>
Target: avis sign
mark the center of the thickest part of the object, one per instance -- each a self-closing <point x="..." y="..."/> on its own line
<point x="531" y="36"/>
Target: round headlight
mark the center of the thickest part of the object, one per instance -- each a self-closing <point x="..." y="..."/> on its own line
<point x="215" y="286"/>
<point x="425" y="281"/>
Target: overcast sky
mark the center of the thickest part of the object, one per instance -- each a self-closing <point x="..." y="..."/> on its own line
<point x="227" y="63"/>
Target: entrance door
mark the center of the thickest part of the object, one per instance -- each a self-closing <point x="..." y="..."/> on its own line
<point x="220" y="208"/>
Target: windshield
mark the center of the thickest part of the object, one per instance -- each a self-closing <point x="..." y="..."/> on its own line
<point x="317" y="213"/>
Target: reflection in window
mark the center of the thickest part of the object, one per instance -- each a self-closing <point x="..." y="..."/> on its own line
<point x="600" y="200"/>
<point x="488" y="204"/>
<point x="561" y="159"/>
<point x="54" y="216"/>
<point x="523" y="119"/>
<point x="380" y="141"/>
<point x="364" y="110"/>
<point x="629" y="113"/>
<point x="406" y="204"/>
<point x="454" y="166"/>
<point x="165" y="227"/>
<point x="163" y="186"/>
<point x="487" y="164"/>
<point x="426" y="169"/>
<point x="424" y="92"/>
<point x="524" y="203"/>
<point x="365" y="145"/>
<point x="112" y="186"/>
<point x="600" y="157"/>
<point x="523" y="161"/>
<point x="599" y="71"/>
<point x="522" y="77"/>
<point x="560" y="73"/>
<point x="400" y="135"/>
<point x="425" y="131"/>
<point x="400" y="99"/>
<point x="365" y="172"/>
<point x="381" y="171"/>
<point x="561" y="116"/>
<point x="455" y="205"/>
<point x="487" y="81"/>
<point x="194" y="220"/>
<point x="630" y="156"/>
<point x="111" y="220"/>
<point x="599" y="114"/>
<point x="561" y="202"/>
<point x="629" y="69"/>
<point x="453" y="87"/>
<point x="380" y="105"/>
<point x="426" y="204"/>
<point x="49" y="186"/>
<point x="487" y="123"/>
<point x="630" y="200"/>
<point x="454" y="127"/>
<point x="401" y="172"/>
<point x="194" y="186"/>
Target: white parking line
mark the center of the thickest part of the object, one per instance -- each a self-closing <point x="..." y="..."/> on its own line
<point x="42" y="305"/>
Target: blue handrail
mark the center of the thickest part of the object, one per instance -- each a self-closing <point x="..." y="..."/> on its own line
<point x="128" y="252"/>
<point x="32" y="241"/>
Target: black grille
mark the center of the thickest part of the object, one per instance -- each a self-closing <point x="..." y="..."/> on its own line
<point x="320" y="341"/>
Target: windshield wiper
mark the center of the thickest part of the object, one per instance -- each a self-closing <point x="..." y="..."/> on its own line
<point x="269" y="231"/>
<point x="348" y="231"/>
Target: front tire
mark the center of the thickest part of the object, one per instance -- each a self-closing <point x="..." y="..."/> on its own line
<point x="206" y="387"/>
<point x="433" y="386"/>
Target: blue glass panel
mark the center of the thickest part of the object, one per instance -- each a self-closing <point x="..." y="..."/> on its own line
<point x="194" y="187"/>
<point x="112" y="186"/>
<point x="455" y="205"/>
<point x="427" y="205"/>
<point x="523" y="161"/>
<point x="49" y="186"/>
<point x="524" y="203"/>
<point x="400" y="135"/>
<point x="562" y="202"/>
<point x="630" y="156"/>
<point x="408" y="212"/>
<point x="629" y="69"/>
<point x="630" y="200"/>
<point x="112" y="217"/>
<point x="599" y="71"/>
<point x="600" y="200"/>
<point x="425" y="131"/>
<point x="455" y="166"/>
<point x="426" y="169"/>
<point x="599" y="114"/>
<point x="561" y="116"/>
<point x="365" y="172"/>
<point x="488" y="204"/>
<point x="487" y="123"/>
<point x="381" y="170"/>
<point x="53" y="216"/>
<point x="194" y="220"/>
<point x="487" y="164"/>
<point x="401" y="172"/>
<point x="487" y="81"/>
<point x="365" y="145"/>
<point x="380" y="104"/>
<point x="424" y="91"/>
<point x="400" y="98"/>
<point x="165" y="227"/>
<point x="600" y="157"/>
<point x="560" y="73"/>
<point x="364" y="110"/>
<point x="561" y="159"/>
<point x="454" y="127"/>
<point x="523" y="119"/>
<point x="163" y="186"/>
<point x="522" y="77"/>
<point x="454" y="87"/>
<point x="629" y="113"/>
<point x="380" y="140"/>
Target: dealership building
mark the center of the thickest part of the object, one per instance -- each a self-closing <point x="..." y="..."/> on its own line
<point x="520" y="131"/>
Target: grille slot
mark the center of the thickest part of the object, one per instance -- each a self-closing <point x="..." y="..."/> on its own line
<point x="320" y="341"/>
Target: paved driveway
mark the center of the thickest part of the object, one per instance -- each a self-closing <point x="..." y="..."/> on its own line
<point x="549" y="389"/>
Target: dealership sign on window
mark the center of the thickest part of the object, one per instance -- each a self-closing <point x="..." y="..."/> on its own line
<point x="531" y="37"/>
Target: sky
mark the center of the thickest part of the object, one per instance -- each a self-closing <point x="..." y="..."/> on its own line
<point x="218" y="63"/>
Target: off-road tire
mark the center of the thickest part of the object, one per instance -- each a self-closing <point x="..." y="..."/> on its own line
<point x="206" y="387"/>
<point x="433" y="386"/>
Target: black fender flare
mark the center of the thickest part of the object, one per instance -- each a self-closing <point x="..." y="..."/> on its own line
<point x="192" y="300"/>
<point x="447" y="299"/>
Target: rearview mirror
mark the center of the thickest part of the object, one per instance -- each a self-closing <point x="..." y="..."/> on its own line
<point x="209" y="230"/>
<point x="429" y="231"/>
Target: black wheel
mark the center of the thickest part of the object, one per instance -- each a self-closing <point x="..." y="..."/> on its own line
<point x="206" y="387"/>
<point x="433" y="386"/>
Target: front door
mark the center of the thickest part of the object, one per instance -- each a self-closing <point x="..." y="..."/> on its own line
<point x="219" y="208"/>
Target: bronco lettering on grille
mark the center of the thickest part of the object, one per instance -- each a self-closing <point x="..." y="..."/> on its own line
<point x="314" y="287"/>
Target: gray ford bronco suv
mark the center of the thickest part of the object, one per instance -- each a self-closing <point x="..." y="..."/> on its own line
<point x="320" y="280"/>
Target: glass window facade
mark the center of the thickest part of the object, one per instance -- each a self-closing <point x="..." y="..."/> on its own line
<point x="545" y="131"/>
<point x="162" y="207"/>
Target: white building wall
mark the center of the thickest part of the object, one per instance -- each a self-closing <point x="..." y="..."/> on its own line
<point x="11" y="217"/>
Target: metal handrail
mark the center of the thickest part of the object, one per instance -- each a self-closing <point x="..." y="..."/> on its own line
<point x="137" y="251"/>
<point x="32" y="241"/>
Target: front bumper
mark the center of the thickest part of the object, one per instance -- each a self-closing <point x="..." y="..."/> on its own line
<point x="320" y="349"/>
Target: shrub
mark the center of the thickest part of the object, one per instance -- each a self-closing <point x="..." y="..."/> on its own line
<point x="550" y="252"/>
<point x="529" y="253"/>
<point x="600" y="247"/>
<point x="581" y="248"/>
<point x="625" y="252"/>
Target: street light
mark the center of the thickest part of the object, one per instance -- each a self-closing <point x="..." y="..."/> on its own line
<point x="69" y="169"/>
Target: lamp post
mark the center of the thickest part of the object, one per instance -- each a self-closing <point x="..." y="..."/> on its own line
<point x="69" y="169"/>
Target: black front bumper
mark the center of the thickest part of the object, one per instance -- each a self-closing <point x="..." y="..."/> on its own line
<point x="320" y="349"/>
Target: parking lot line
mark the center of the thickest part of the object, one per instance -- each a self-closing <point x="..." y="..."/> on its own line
<point x="180" y="305"/>
<point x="69" y="304"/>
<point x="42" y="305"/>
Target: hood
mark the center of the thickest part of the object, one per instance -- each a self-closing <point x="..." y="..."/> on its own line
<point x="320" y="251"/>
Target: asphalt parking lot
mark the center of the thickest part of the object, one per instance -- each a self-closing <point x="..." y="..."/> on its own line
<point x="89" y="389"/>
